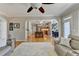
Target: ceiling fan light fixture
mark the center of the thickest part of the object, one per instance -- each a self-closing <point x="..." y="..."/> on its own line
<point x="36" y="5"/>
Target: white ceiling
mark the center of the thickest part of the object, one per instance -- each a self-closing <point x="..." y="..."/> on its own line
<point x="20" y="9"/>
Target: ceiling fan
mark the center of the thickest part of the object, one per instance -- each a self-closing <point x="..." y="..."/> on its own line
<point x="37" y="6"/>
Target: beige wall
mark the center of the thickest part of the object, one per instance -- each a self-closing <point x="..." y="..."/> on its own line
<point x="74" y="22"/>
<point x="19" y="34"/>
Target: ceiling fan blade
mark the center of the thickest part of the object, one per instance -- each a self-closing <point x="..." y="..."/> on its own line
<point x="30" y="9"/>
<point x="48" y="3"/>
<point x="41" y="9"/>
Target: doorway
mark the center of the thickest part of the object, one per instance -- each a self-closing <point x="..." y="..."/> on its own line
<point x="37" y="30"/>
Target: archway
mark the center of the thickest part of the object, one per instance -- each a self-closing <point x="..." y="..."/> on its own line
<point x="55" y="28"/>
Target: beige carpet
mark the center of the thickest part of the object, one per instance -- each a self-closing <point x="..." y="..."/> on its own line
<point x="35" y="49"/>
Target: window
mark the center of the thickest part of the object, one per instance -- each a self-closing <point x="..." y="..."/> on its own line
<point x="66" y="29"/>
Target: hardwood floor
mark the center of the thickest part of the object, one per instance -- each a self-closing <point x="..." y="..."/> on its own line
<point x="33" y="39"/>
<point x="18" y="43"/>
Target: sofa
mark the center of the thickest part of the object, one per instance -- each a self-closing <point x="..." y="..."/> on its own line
<point x="63" y="50"/>
<point x="8" y="49"/>
<point x="4" y="51"/>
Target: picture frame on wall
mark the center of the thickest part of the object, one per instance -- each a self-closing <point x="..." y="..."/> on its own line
<point x="16" y="25"/>
<point x="10" y="26"/>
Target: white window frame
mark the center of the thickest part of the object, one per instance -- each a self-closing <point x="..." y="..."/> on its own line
<point x="67" y="19"/>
